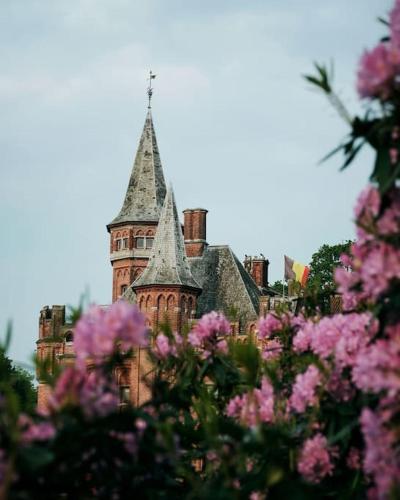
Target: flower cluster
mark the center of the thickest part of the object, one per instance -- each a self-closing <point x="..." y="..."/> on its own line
<point x="103" y="331"/>
<point x="253" y="407"/>
<point x="340" y="336"/>
<point x="379" y="68"/>
<point x="315" y="459"/>
<point x="381" y="459"/>
<point x="91" y="391"/>
<point x="31" y="431"/>
<point x="165" y="347"/>
<point x="207" y="332"/>
<point x="304" y="389"/>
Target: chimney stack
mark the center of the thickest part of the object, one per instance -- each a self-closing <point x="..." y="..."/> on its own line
<point x="195" y="231"/>
<point x="257" y="267"/>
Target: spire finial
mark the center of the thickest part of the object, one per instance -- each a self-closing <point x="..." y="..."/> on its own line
<point x="150" y="88"/>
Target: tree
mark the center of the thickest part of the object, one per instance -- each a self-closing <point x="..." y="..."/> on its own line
<point x="278" y="287"/>
<point x="322" y="266"/>
<point x="20" y="382"/>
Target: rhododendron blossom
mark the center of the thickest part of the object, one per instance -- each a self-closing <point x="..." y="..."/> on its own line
<point x="102" y="331"/>
<point x="91" y="391"/>
<point x="377" y="71"/>
<point x="303" y="393"/>
<point x="381" y="458"/>
<point x="340" y="336"/>
<point x="253" y="407"/>
<point x="207" y="331"/>
<point x="315" y="460"/>
<point x="30" y="431"/>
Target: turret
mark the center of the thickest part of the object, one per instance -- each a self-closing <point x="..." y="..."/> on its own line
<point x="167" y="291"/>
<point x="132" y="231"/>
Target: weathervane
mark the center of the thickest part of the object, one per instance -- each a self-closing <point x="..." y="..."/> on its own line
<point x="150" y="88"/>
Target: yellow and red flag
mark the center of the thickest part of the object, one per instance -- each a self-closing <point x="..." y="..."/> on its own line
<point x="296" y="271"/>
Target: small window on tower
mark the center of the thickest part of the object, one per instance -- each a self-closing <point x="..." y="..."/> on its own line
<point x="123" y="289"/>
<point x="124" y="395"/>
<point x="125" y="243"/>
<point x="119" y="244"/>
<point x="139" y="242"/>
<point x="149" y="242"/>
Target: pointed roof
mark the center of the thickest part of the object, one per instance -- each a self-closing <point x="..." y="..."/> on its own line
<point x="168" y="264"/>
<point x="146" y="189"/>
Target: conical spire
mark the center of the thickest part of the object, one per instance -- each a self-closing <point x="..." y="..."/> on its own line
<point x="168" y="263"/>
<point x="146" y="189"/>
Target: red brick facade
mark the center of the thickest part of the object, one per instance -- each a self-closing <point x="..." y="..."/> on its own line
<point x="129" y="252"/>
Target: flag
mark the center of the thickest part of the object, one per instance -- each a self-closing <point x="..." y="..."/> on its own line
<point x="296" y="271"/>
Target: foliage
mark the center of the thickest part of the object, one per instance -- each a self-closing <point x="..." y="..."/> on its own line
<point x="19" y="381"/>
<point x="307" y="409"/>
<point x="278" y="287"/>
<point x="323" y="264"/>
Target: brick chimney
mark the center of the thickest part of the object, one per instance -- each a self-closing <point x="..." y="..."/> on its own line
<point x="257" y="267"/>
<point x="195" y="231"/>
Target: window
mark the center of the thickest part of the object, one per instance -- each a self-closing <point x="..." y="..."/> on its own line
<point x="125" y="243"/>
<point x="149" y="242"/>
<point x="69" y="338"/>
<point x="119" y="244"/>
<point x="123" y="289"/>
<point x="124" y="395"/>
<point x="140" y="242"/>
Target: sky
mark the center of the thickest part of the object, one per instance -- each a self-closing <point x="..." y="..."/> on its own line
<point x="239" y="130"/>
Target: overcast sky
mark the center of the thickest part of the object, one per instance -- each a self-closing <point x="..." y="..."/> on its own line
<point x="240" y="133"/>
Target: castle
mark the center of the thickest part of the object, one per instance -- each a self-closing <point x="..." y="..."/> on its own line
<point x="168" y="269"/>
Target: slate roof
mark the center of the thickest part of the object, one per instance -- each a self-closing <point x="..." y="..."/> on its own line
<point x="146" y="189"/>
<point x="225" y="283"/>
<point x="168" y="264"/>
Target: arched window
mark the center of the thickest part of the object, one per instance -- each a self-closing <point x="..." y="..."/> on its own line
<point x="123" y="289"/>
<point x="141" y="303"/>
<point x="148" y="303"/>
<point x="69" y="338"/>
<point x="170" y="302"/>
<point x="161" y="308"/>
<point x="190" y="308"/>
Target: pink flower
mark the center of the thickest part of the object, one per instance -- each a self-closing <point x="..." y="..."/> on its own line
<point x="340" y="336"/>
<point x="377" y="70"/>
<point x="380" y="460"/>
<point x="271" y="349"/>
<point x="395" y="24"/>
<point x="206" y="333"/>
<point x="315" y="461"/>
<point x="368" y="205"/>
<point x="303" y="393"/>
<point x="376" y="367"/>
<point x="100" y="331"/>
<point x="268" y="325"/>
<point x="91" y="391"/>
<point x="253" y="407"/>
<point x="30" y="431"/>
<point x="162" y="346"/>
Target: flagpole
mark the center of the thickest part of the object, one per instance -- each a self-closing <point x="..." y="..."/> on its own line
<point x="283" y="281"/>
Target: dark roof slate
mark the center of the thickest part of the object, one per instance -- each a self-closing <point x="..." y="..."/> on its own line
<point x="146" y="189"/>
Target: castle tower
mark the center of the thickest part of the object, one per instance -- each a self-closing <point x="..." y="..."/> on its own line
<point x="167" y="290"/>
<point x="132" y="231"/>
